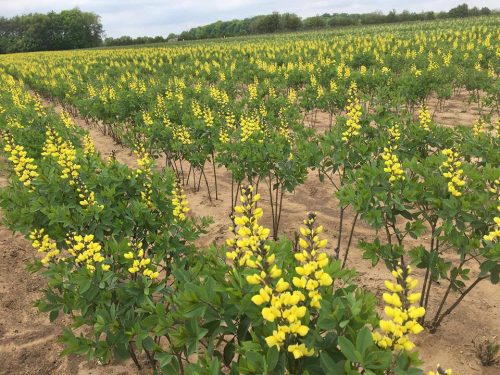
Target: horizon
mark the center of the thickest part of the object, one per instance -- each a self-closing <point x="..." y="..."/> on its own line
<point x="157" y="18"/>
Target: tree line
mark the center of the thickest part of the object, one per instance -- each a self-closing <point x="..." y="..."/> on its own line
<point x="69" y="29"/>
<point x="72" y="29"/>
<point x="276" y="22"/>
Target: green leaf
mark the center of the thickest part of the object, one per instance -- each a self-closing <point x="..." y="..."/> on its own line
<point x="163" y="358"/>
<point x="329" y="366"/>
<point x="272" y="358"/>
<point x="364" y="340"/>
<point x="229" y="351"/>
<point x="348" y="349"/>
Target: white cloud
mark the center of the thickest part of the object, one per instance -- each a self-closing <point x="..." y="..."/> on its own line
<point x="160" y="17"/>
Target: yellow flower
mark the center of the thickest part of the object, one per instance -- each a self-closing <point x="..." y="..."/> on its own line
<point x="281" y="286"/>
<point x="300" y="350"/>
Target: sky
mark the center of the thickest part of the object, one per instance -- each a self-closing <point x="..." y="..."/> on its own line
<point x="161" y="17"/>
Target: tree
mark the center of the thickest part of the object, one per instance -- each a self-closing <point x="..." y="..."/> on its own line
<point x="460" y="11"/>
<point x="290" y="22"/>
<point x="68" y="29"/>
<point x="316" y="22"/>
<point x="485" y="11"/>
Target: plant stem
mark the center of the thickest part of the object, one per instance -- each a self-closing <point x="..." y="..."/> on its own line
<point x="132" y="354"/>
<point x="437" y="320"/>
<point x="341" y="222"/>
<point x="215" y="176"/>
<point x="431" y="263"/>
<point x="427" y="271"/>
<point x="206" y="183"/>
<point x="350" y="239"/>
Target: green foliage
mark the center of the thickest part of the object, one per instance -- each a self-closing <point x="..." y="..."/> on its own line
<point x="69" y="29"/>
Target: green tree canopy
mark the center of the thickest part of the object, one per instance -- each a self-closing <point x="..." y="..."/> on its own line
<point x="68" y="29"/>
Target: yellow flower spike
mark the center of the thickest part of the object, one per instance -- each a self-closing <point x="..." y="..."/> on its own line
<point x="450" y="171"/>
<point x="424" y="117"/>
<point x="403" y="315"/>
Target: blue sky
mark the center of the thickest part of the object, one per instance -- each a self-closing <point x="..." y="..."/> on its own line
<point x="160" y="17"/>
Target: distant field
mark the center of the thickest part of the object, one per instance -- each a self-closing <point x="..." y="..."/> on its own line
<point x="123" y="169"/>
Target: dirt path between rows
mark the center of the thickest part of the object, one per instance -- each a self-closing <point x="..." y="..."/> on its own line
<point x="28" y="340"/>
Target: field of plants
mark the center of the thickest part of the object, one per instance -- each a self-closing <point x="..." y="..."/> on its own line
<point x="312" y="203"/>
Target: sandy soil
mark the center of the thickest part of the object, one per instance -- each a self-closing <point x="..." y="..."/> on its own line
<point x="28" y="342"/>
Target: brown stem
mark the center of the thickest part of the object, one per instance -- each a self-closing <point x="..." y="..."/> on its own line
<point x="427" y="271"/>
<point x="151" y="360"/>
<point x="189" y="174"/>
<point x="341" y="222"/>
<point x="215" y="176"/>
<point x="429" y="285"/>
<point x="238" y="189"/>
<point x="282" y="193"/>
<point x="271" y="199"/>
<point x="132" y="354"/>
<point x="181" y="365"/>
<point x="437" y="321"/>
<point x="206" y="183"/>
<point x="182" y="172"/>
<point x="350" y="239"/>
<point x="232" y="193"/>
<point x="199" y="179"/>
<point x="387" y="232"/>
